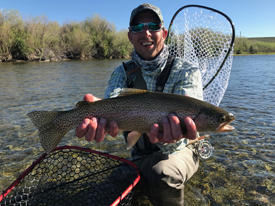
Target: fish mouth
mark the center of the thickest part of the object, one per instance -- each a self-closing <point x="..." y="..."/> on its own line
<point x="225" y="127"/>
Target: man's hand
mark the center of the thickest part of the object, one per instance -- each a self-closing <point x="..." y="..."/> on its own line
<point x="172" y="130"/>
<point x="94" y="128"/>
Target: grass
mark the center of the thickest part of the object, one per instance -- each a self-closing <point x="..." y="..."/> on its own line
<point x="263" y="39"/>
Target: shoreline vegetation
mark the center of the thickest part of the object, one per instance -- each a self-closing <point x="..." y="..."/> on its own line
<point x="39" y="39"/>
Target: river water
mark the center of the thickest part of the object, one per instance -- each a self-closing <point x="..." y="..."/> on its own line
<point x="241" y="170"/>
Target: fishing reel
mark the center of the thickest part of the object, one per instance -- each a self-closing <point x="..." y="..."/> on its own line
<point x="205" y="149"/>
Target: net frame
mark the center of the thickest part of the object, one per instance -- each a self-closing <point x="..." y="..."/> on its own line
<point x="121" y="200"/>
<point x="192" y="35"/>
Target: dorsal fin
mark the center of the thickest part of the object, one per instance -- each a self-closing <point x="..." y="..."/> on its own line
<point x="83" y="103"/>
<point x="131" y="91"/>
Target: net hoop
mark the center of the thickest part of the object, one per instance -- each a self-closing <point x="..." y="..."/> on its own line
<point x="183" y="42"/>
<point x="31" y="167"/>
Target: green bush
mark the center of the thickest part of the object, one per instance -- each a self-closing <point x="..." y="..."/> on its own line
<point x="39" y="38"/>
<point x="246" y="46"/>
<point x="76" y="40"/>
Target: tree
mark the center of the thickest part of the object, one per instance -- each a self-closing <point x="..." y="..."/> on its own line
<point x="76" y="39"/>
<point x="11" y="26"/>
<point x="101" y="33"/>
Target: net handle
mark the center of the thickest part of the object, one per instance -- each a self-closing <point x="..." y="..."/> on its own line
<point x="231" y="43"/>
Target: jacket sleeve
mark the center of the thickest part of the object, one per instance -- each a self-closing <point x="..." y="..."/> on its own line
<point x="116" y="83"/>
<point x="187" y="79"/>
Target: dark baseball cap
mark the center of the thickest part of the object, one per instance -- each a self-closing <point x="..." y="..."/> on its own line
<point x="146" y="7"/>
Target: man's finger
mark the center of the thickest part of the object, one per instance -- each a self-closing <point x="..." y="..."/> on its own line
<point x="90" y="98"/>
<point x="91" y="132"/>
<point x="113" y="129"/>
<point x="82" y="128"/>
<point x="100" y="132"/>
<point x="191" y="128"/>
<point x="175" y="126"/>
<point x="153" y="135"/>
<point x="167" y="133"/>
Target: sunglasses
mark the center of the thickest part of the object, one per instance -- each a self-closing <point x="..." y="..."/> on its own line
<point x="152" y="26"/>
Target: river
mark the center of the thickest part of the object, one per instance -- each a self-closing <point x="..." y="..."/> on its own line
<point x="241" y="170"/>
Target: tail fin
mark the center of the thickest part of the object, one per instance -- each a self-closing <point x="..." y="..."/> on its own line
<point x="49" y="135"/>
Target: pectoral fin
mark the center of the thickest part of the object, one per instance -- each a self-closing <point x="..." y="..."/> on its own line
<point x="132" y="138"/>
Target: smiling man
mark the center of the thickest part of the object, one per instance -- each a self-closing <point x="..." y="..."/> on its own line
<point x="167" y="161"/>
<point x="148" y="43"/>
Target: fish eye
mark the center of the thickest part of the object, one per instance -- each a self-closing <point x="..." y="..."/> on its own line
<point x="223" y="118"/>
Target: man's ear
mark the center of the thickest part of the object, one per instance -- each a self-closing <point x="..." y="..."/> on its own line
<point x="130" y="36"/>
<point x="164" y="34"/>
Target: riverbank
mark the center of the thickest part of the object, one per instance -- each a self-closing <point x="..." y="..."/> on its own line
<point x="85" y="58"/>
<point x="55" y="59"/>
<point x="247" y="54"/>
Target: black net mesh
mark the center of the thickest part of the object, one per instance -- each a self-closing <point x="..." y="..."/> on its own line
<point x="70" y="176"/>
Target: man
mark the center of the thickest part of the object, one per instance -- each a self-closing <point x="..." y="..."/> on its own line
<point x="167" y="166"/>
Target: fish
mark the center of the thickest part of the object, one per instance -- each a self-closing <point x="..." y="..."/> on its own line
<point x="133" y="110"/>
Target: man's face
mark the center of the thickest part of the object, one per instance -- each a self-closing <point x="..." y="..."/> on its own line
<point x="147" y="43"/>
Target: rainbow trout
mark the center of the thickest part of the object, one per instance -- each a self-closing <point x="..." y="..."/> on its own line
<point x="133" y="110"/>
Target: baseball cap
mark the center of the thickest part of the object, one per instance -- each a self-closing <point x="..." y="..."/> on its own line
<point x="143" y="7"/>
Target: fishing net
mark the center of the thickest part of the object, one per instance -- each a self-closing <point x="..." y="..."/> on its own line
<point x="74" y="176"/>
<point x="205" y="37"/>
